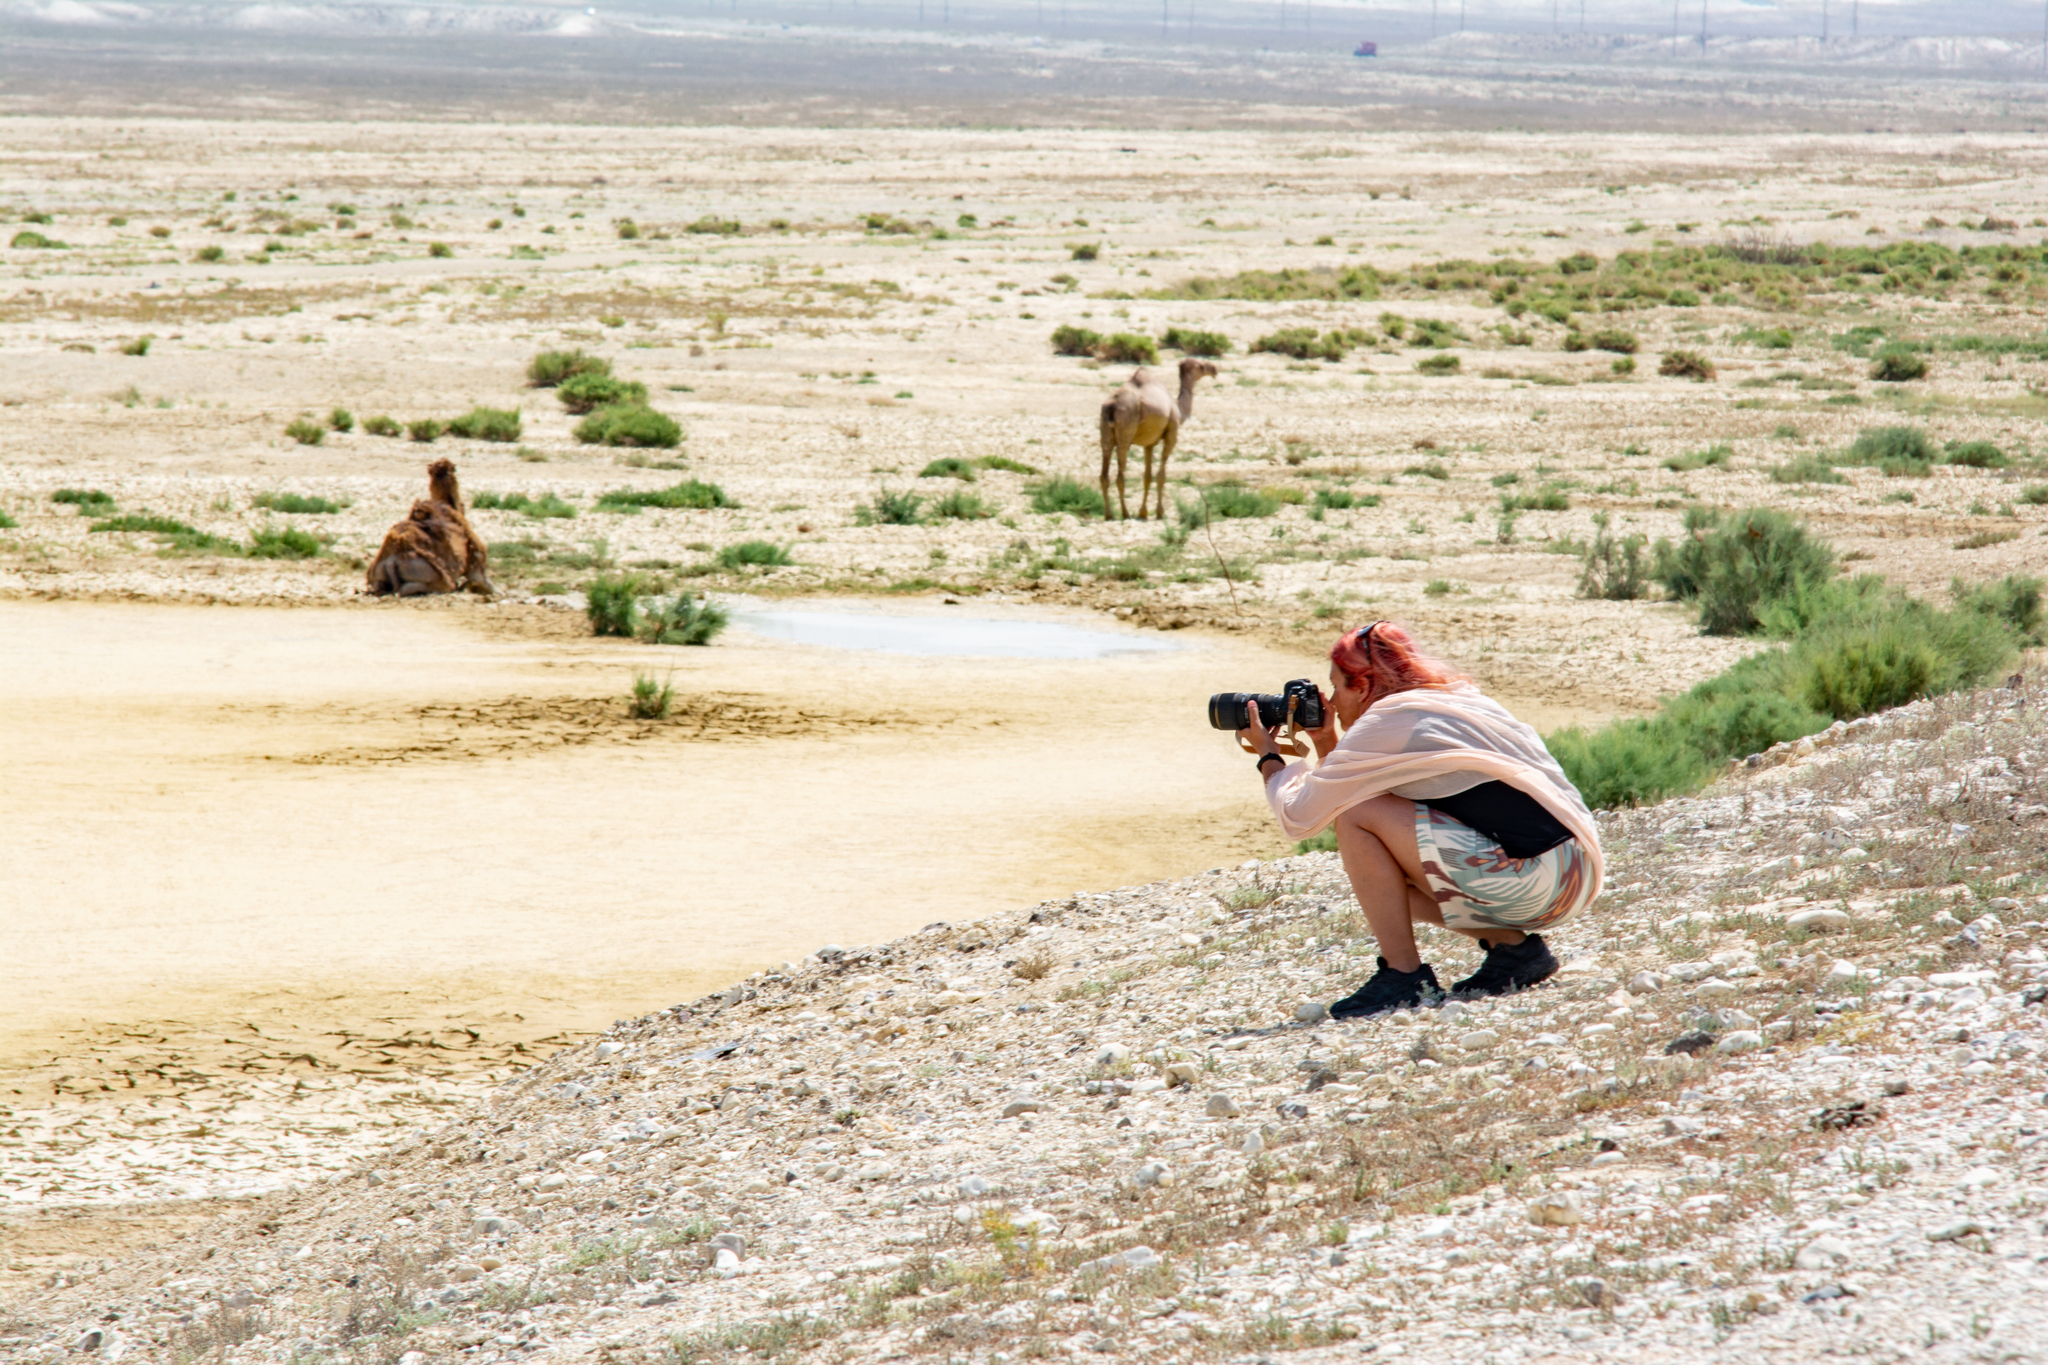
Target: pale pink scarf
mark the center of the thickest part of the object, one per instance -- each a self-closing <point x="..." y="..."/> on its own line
<point x="1469" y="733"/>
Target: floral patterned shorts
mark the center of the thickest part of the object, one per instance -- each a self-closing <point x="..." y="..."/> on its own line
<point x="1478" y="886"/>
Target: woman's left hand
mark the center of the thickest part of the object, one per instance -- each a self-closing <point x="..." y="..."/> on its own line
<point x="1255" y="738"/>
<point x="1324" y="736"/>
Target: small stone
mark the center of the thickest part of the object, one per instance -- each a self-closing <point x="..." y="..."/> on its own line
<point x="607" y="1050"/>
<point x="1818" y="921"/>
<point x="1558" y="1209"/>
<point x="1151" y="1174"/>
<point x="1714" y="988"/>
<point x="1478" y="1039"/>
<point x="462" y="1272"/>
<point x="1221" y="1107"/>
<point x="725" y="1263"/>
<point x="1023" y="1104"/>
<point x="1451" y="1011"/>
<point x="1822" y="1253"/>
<point x="1842" y="973"/>
<point x="1252" y="1145"/>
<point x="1742" y="1040"/>
<point x="1645" y="983"/>
<point x="1116" y="1054"/>
<point x="1680" y="1126"/>
<point x="493" y="1226"/>
<point x="1291" y="1109"/>
<point x="1691" y="1044"/>
<point x="1310" y="1012"/>
<point x="973" y="1187"/>
<point x="1576" y="1333"/>
<point x="1953" y="1232"/>
<point x="1596" y="1293"/>
<point x="731" y="1241"/>
<point x="1827" y="1293"/>
<point x="1140" y="1258"/>
<point x="1181" y="1074"/>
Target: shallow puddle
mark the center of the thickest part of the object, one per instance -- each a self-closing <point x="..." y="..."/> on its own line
<point x="951" y="636"/>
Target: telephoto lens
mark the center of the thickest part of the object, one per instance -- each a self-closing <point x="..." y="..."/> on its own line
<point x="1232" y="710"/>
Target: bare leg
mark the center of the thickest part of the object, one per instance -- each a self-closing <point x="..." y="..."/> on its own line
<point x="1376" y="840"/>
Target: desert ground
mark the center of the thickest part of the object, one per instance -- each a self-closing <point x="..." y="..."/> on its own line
<point x="259" y="821"/>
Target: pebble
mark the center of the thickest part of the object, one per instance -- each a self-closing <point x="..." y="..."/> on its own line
<point x="1152" y="1173"/>
<point x="1182" y="1074"/>
<point x="1818" y="921"/>
<point x="1714" y="988"/>
<point x="1558" y="1209"/>
<point x="974" y="1187"/>
<point x="1221" y="1107"/>
<point x="1822" y="1253"/>
<point x="1023" y="1104"/>
<point x="1645" y="983"/>
<point x="1951" y="1232"/>
<point x="1742" y="1040"/>
<point x="1311" y="1012"/>
<point x="1842" y="973"/>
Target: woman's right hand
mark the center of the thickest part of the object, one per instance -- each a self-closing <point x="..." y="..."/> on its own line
<point x="1324" y="736"/>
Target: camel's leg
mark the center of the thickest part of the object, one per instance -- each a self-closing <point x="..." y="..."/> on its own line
<point x="1108" y="446"/>
<point x="1145" y="488"/>
<point x="1123" y="499"/>
<point x="1166" y="445"/>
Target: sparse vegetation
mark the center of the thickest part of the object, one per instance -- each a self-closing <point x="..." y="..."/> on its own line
<point x="547" y="506"/>
<point x="684" y="620"/>
<point x="753" y="554"/>
<point x="1732" y="566"/>
<point x="89" y="501"/>
<point x="487" y="424"/>
<point x="652" y="699"/>
<point x="284" y="542"/>
<point x="381" y="425"/>
<point x="1075" y="341"/>
<point x="1302" y="343"/>
<point x="889" y="508"/>
<point x="961" y="505"/>
<point x="1129" y="348"/>
<point x="297" y="503"/>
<point x="1898" y="450"/>
<point x="548" y="369"/>
<point x="341" y="419"/>
<point x="613" y="605"/>
<point x="1807" y="468"/>
<point x="629" y="425"/>
<point x="306" y="431"/>
<point x="1189" y="341"/>
<point x="1439" y="364"/>
<point x="1614" y="568"/>
<point x="1897" y="363"/>
<point x="1063" y="494"/>
<point x="690" y="493"/>
<point x="1712" y="456"/>
<point x="587" y="390"/>
<point x="425" y="430"/>
<point x="1550" y="499"/>
<point x="1686" y="365"/>
<point x="949" y="467"/>
<point x="139" y="346"/>
<point x="1356" y="283"/>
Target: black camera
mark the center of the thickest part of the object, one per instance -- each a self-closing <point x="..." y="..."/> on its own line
<point x="1232" y="710"/>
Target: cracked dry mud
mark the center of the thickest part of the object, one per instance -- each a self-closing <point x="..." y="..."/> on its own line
<point x="1093" y="1128"/>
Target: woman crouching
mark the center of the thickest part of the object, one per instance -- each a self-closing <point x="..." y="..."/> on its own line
<point x="1447" y="810"/>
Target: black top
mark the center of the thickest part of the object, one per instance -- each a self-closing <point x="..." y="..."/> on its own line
<point x="1507" y="815"/>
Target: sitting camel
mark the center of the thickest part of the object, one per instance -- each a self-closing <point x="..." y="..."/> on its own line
<point x="433" y="549"/>
<point x="1143" y="413"/>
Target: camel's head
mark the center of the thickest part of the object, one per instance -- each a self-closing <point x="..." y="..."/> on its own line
<point x="441" y="485"/>
<point x="1192" y="369"/>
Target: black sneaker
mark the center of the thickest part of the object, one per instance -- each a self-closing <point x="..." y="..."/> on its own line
<point x="1509" y="968"/>
<point x="1388" y="990"/>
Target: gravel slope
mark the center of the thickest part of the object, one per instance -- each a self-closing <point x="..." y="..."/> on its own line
<point x="1104" y="1125"/>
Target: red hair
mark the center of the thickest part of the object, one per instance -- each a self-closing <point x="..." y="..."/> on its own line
<point x="1382" y="659"/>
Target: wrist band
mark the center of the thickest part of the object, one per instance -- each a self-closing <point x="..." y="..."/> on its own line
<point x="1261" y="764"/>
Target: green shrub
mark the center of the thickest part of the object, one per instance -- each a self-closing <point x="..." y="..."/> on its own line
<point x="710" y="225"/>
<point x="2014" y="599"/>
<point x="2035" y="495"/>
<point x="1433" y="470"/>
<point x="1613" y="569"/>
<point x="1360" y="283"/>
<point x="283" y="542"/>
<point x="1004" y="462"/>
<point x="961" y="505"/>
<point x="1545" y="500"/>
<point x="1302" y="343"/>
<point x="426" y="430"/>
<point x="1808" y="468"/>
<point x="1895" y="450"/>
<point x="629" y="231"/>
<point x="306" y="431"/>
<point x="889" y="509"/>
<point x="381" y="425"/>
<point x="487" y="424"/>
<point x="207" y="255"/>
<point x="1188" y="341"/>
<point x="1718" y="455"/>
<point x="341" y="419"/>
<point x="948" y="467"/>
<point x="1430" y="332"/>
<point x="143" y="524"/>
<point x="690" y="493"/>
<point x="1898" y="362"/>
<point x="629" y="425"/>
<point x="1129" y="348"/>
<point x="1340" y="499"/>
<point x="753" y="554"/>
<point x="582" y="392"/>
<point x="1725" y="718"/>
<point x="1228" y="499"/>
<point x="440" y="250"/>
<point x="651" y="700"/>
<point x="547" y="506"/>
<point x="1439" y="364"/>
<point x="1075" y="341"/>
<point x="1062" y="494"/>
<point x="1686" y="365"/>
<point x="550" y="368"/>
<point x="296" y="503"/>
<point x="1084" y="251"/>
<point x="1976" y="454"/>
<point x="1629" y="762"/>
<point x="613" y="604"/>
<point x="684" y="620"/>
<point x="1624" y="364"/>
<point x="139" y="346"/>
<point x="1682" y="298"/>
<point x="88" y="501"/>
<point x="1606" y="339"/>
<point x="7" y="522"/>
<point x="35" y="241"/>
<point x="1731" y="567"/>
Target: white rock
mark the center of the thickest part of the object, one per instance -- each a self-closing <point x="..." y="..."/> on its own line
<point x="1742" y="1040"/>
<point x="1645" y="983"/>
<point x="1822" y="1253"/>
<point x="1818" y="921"/>
<point x="725" y="1263"/>
<point x="1152" y="1173"/>
<point x="973" y="1187"/>
<point x="1478" y="1039"/>
<point x="1221" y="1107"/>
<point x="1181" y="1073"/>
<point x="1253" y="1144"/>
<point x="1023" y="1104"/>
<point x="1714" y="988"/>
<point x="605" y="1050"/>
<point x="1116" y="1054"/>
<point x="1842" y="973"/>
<point x="1311" y="1012"/>
<point x="1557" y="1209"/>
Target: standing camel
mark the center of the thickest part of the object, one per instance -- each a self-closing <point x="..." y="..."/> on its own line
<point x="1143" y="413"/>
<point x="434" y="549"/>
